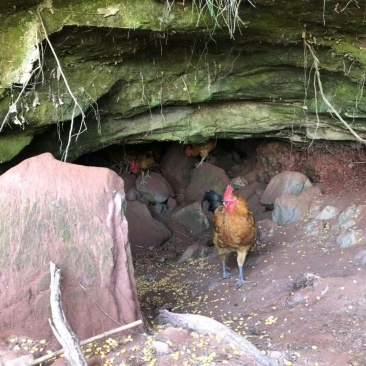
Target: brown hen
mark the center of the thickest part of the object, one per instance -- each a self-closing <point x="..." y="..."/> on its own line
<point x="200" y="150"/>
<point x="234" y="227"/>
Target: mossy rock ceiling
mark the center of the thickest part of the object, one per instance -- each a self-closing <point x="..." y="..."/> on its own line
<point x="151" y="70"/>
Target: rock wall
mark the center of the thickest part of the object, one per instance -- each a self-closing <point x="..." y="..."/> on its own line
<point x="160" y="70"/>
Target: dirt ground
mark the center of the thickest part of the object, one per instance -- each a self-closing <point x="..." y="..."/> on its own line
<point x="306" y="304"/>
<point x="307" y="299"/>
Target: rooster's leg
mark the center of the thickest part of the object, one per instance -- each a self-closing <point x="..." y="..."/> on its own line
<point x="225" y="273"/>
<point x="143" y="181"/>
<point x="241" y="259"/>
<point x="200" y="163"/>
<point x="143" y="177"/>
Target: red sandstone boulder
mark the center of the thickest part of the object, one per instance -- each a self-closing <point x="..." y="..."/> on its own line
<point x="176" y="167"/>
<point x="144" y="230"/>
<point x="74" y="216"/>
<point x="207" y="176"/>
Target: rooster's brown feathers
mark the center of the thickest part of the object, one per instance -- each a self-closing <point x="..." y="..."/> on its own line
<point x="234" y="226"/>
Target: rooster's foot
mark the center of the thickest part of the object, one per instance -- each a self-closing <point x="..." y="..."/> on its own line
<point x="143" y="179"/>
<point x="200" y="163"/>
<point x="241" y="282"/>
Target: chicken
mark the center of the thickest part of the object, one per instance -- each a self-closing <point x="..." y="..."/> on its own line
<point x="200" y="150"/>
<point x="234" y="227"/>
<point x="118" y="159"/>
<point x="143" y="163"/>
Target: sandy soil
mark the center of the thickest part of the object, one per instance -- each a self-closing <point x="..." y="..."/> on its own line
<point x="307" y="299"/>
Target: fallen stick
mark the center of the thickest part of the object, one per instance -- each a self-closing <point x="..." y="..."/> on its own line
<point x="203" y="325"/>
<point x="86" y="341"/>
<point x="61" y="327"/>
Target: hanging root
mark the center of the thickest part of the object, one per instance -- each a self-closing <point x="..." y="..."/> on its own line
<point x="319" y="84"/>
<point x="77" y="106"/>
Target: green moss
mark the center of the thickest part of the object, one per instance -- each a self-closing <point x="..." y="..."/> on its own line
<point x="147" y="58"/>
<point x="19" y="37"/>
<point x="11" y="145"/>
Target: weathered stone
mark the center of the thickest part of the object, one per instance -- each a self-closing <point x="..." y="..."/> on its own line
<point x="346" y="218"/>
<point x="12" y="145"/>
<point x="176" y="167"/>
<point x="171" y="204"/>
<point x="248" y="191"/>
<point x="129" y="180"/>
<point x="74" y="216"/>
<point x="158" y="208"/>
<point x="143" y="229"/>
<point x="203" y="178"/>
<point x="239" y="182"/>
<point x="174" y="335"/>
<point x="192" y="218"/>
<point x="154" y="188"/>
<point x="352" y="216"/>
<point x="152" y="90"/>
<point x="347" y="239"/>
<point x="328" y="212"/>
<point x="251" y="176"/>
<point x="314" y="227"/>
<point x="289" y="209"/>
<point x="285" y="182"/>
<point x="361" y="257"/>
<point x="315" y="208"/>
<point x="161" y="348"/>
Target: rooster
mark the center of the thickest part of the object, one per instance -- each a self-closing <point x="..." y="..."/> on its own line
<point x="234" y="227"/>
<point x="143" y="163"/>
<point x="200" y="150"/>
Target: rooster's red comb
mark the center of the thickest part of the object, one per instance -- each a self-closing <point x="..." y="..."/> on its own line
<point x="228" y="193"/>
<point x="188" y="151"/>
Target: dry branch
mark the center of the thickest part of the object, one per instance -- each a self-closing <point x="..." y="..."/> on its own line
<point x="62" y="329"/>
<point x="204" y="325"/>
<point x="89" y="340"/>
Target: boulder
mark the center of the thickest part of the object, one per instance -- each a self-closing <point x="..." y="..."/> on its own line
<point x="248" y="191"/>
<point x="251" y="176"/>
<point x="144" y="230"/>
<point x="353" y="216"/>
<point x="176" y="167"/>
<point x="252" y="194"/>
<point x="239" y="182"/>
<point x="155" y="189"/>
<point x="286" y="182"/>
<point x="348" y="238"/>
<point x="73" y="216"/>
<point x="129" y="180"/>
<point x="204" y="177"/>
<point x="192" y="218"/>
<point x="328" y="212"/>
<point x="352" y="222"/>
<point x="289" y="209"/>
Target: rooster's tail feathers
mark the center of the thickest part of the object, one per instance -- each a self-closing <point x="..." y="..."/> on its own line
<point x="214" y="200"/>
